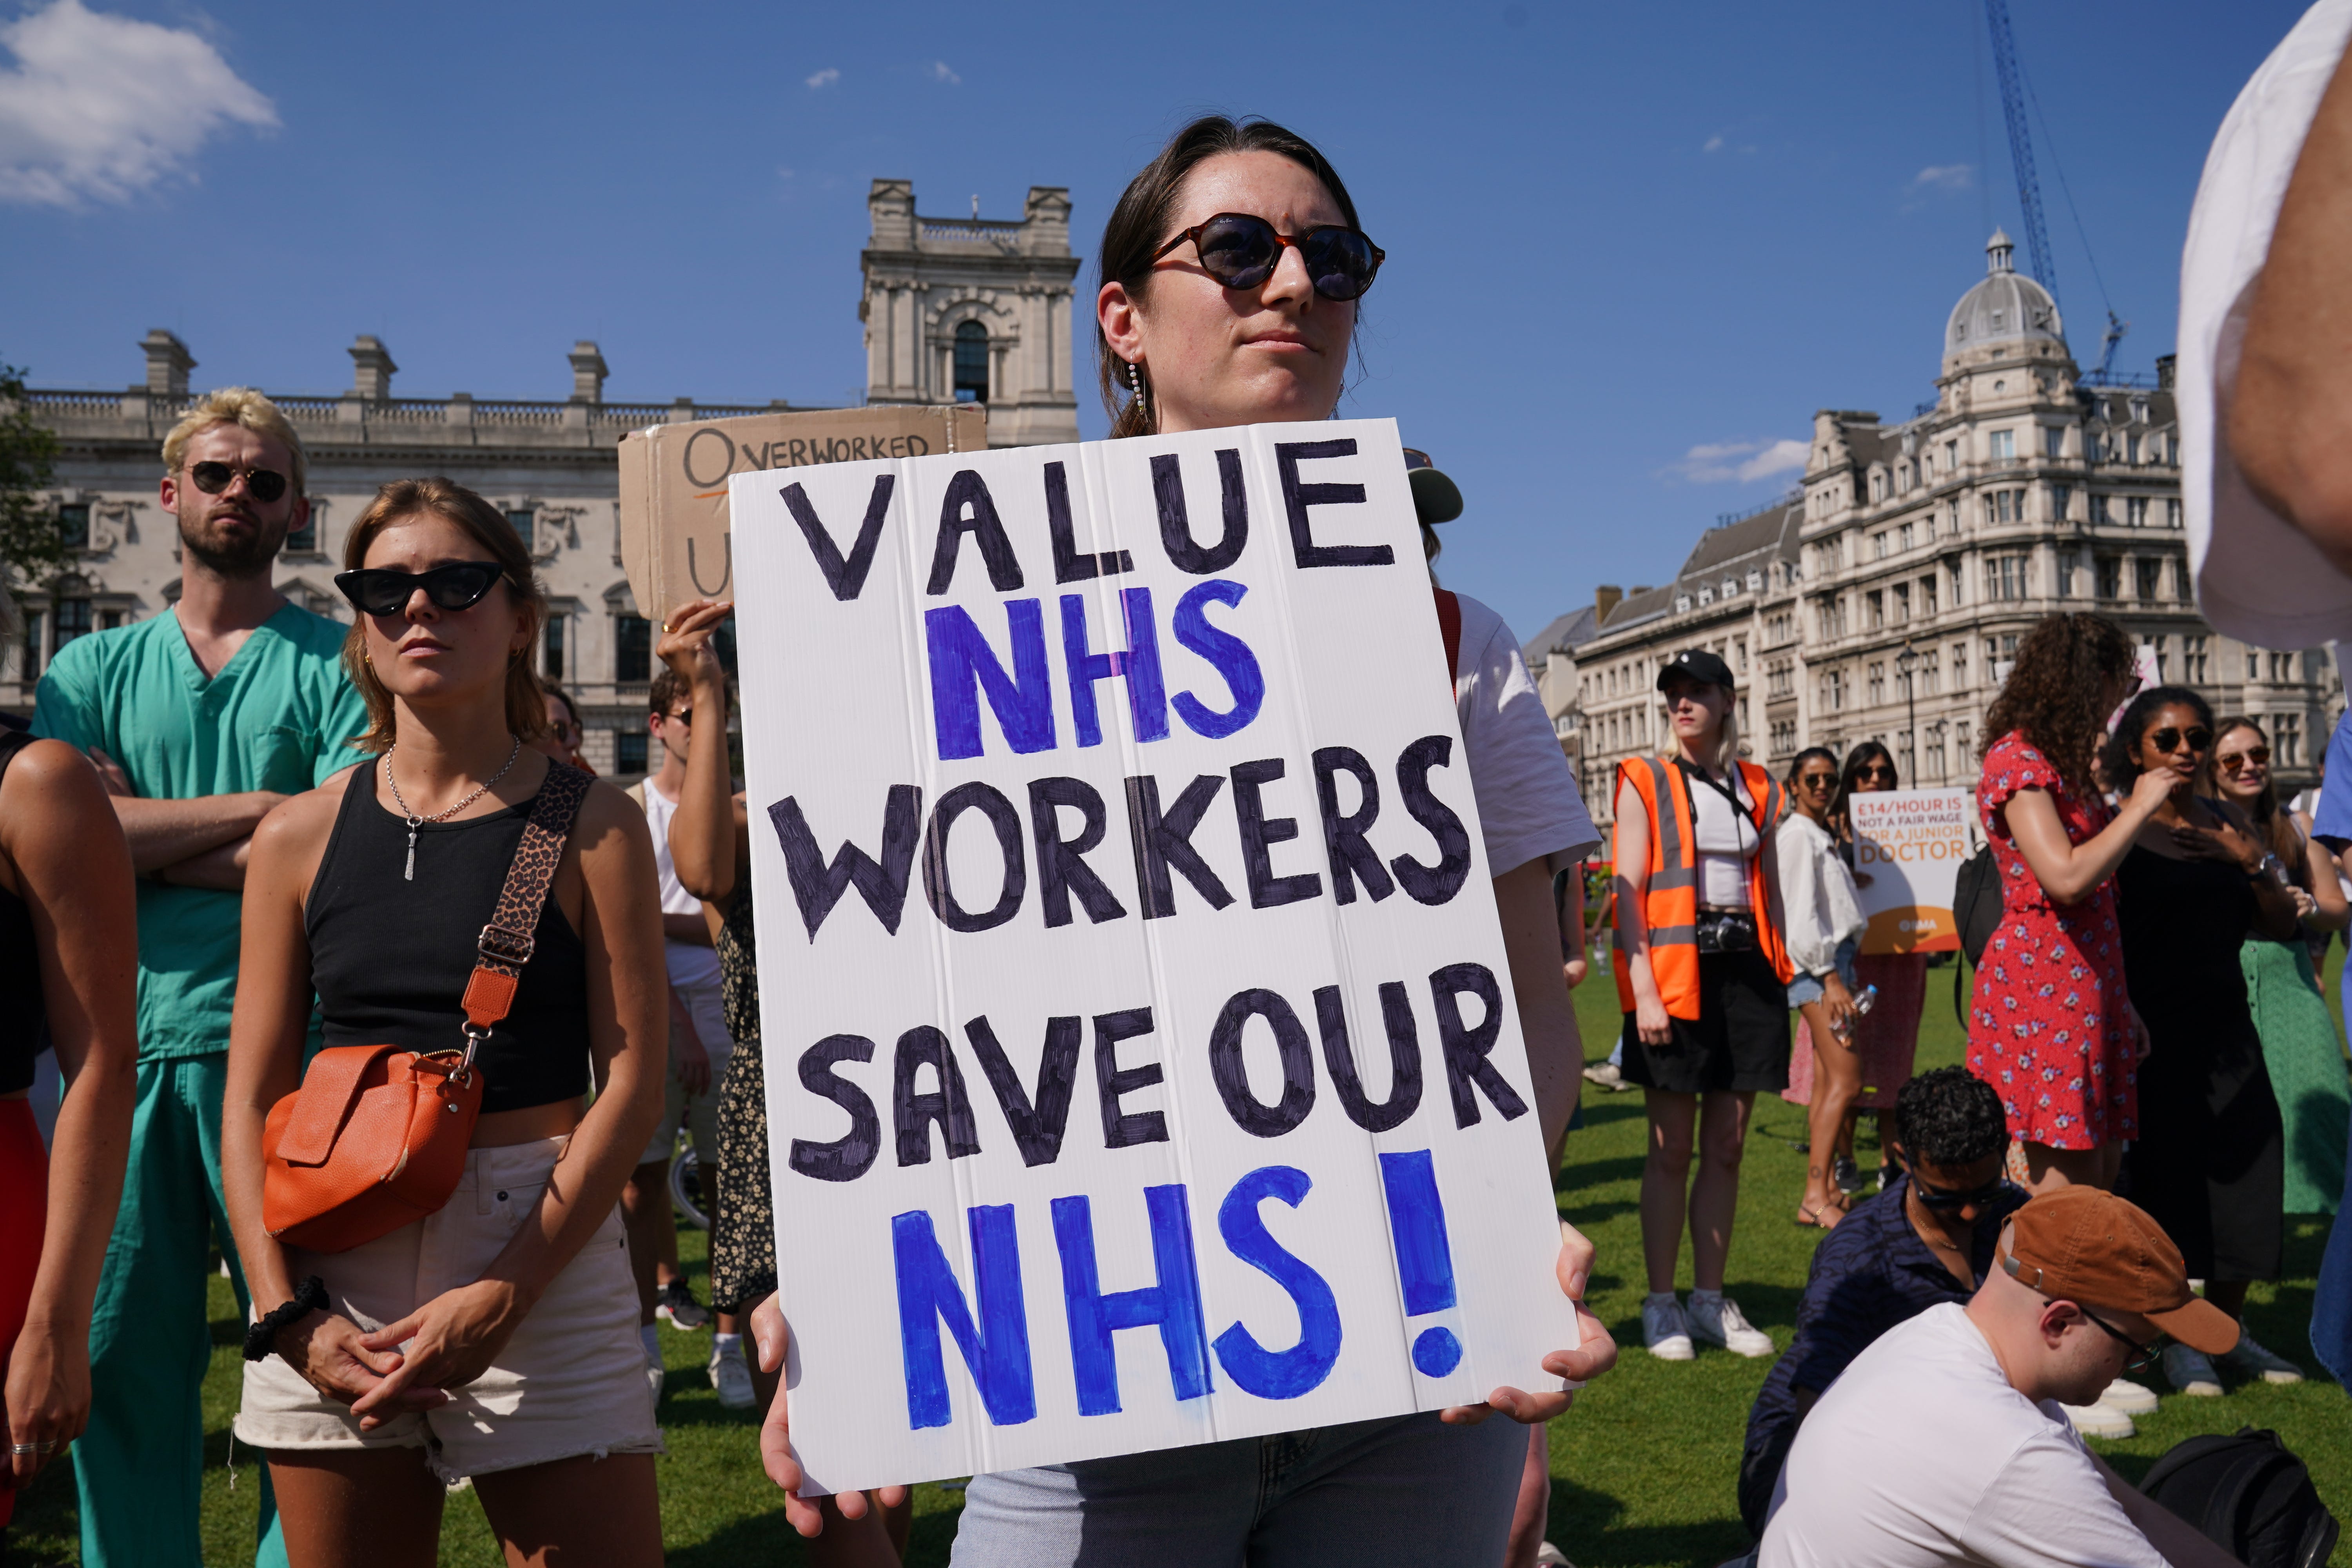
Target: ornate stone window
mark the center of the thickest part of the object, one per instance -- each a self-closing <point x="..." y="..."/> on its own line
<point x="971" y="362"/>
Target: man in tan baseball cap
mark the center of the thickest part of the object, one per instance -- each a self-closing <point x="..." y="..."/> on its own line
<point x="1944" y="1442"/>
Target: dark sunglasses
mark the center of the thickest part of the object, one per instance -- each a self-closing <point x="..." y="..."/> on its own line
<point x="459" y="585"/>
<point x="264" y="485"/>
<point x="2142" y="1357"/>
<point x="2234" y="766"/>
<point x="683" y="716"/>
<point x="1241" y="251"/>
<point x="1876" y="771"/>
<point x="1817" y="781"/>
<point x="2168" y="740"/>
<point x="1946" y="1202"/>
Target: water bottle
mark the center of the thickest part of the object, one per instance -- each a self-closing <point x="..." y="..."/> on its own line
<point x="1864" y="1001"/>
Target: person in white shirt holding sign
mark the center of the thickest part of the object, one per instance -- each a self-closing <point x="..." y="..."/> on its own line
<point x="1231" y="268"/>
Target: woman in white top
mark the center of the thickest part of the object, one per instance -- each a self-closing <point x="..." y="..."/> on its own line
<point x="1823" y="911"/>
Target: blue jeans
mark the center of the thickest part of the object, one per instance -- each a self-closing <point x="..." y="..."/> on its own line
<point x="1807" y="988"/>
<point x="1408" y="1488"/>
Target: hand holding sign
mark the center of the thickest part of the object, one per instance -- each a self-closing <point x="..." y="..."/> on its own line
<point x="1595" y="1353"/>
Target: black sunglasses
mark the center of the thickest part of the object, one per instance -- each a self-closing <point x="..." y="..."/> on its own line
<point x="2168" y="740"/>
<point x="1946" y="1202"/>
<point x="460" y="585"/>
<point x="264" y="485"/>
<point x="2142" y="1357"/>
<point x="1241" y="251"/>
<point x="1876" y="771"/>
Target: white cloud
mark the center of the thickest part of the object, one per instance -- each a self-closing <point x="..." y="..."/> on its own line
<point x="1945" y="177"/>
<point x="826" y="77"/>
<point x="1714" y="143"/>
<point x="1714" y="462"/>
<point x="939" y="72"/>
<point x="99" y="107"/>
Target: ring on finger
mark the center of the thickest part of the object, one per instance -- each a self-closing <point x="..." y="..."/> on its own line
<point x="49" y="1447"/>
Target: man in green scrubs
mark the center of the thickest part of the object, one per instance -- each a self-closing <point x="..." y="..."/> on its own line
<point x="202" y="717"/>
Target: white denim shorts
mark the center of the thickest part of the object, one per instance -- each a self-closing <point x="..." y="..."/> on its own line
<point x="571" y="1381"/>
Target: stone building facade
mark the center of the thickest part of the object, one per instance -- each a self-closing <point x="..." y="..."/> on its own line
<point x="548" y="464"/>
<point x="1884" y="597"/>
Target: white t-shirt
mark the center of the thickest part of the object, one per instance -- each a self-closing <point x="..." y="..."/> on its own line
<point x="1724" y="840"/>
<point x="1528" y="804"/>
<point x="2257" y="577"/>
<point x="691" y="964"/>
<point x="1922" y="1456"/>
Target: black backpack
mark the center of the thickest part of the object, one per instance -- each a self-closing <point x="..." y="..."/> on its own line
<point x="2249" y="1496"/>
<point x="1976" y="912"/>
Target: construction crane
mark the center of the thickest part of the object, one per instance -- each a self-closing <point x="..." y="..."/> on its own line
<point x="2029" y="184"/>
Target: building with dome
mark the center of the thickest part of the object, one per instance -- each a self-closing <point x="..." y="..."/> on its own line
<point x="1883" y="598"/>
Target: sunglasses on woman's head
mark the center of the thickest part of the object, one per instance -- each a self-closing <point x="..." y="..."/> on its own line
<point x="2235" y="762"/>
<point x="264" y="485"/>
<point x="378" y="591"/>
<point x="1241" y="251"/>
<point x="2168" y="740"/>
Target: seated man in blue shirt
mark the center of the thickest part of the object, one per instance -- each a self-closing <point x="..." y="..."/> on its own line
<point x="1928" y="1238"/>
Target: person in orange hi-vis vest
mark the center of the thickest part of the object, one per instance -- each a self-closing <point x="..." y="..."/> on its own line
<point x="1702" y="975"/>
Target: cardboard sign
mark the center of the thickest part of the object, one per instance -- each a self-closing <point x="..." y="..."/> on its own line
<point x="1142" y="1065"/>
<point x="1911" y="844"/>
<point x="674" y="543"/>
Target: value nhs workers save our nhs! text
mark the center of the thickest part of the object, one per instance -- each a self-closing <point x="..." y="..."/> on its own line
<point x="1140" y="755"/>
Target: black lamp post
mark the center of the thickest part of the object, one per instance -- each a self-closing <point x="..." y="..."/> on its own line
<point x="1904" y="662"/>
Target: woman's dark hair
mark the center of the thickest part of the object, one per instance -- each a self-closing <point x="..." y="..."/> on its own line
<point x="1138" y="225"/>
<point x="1797" y="763"/>
<point x="1860" y="757"/>
<point x="1950" y="1117"/>
<point x="2277" y="828"/>
<point x="2055" y="695"/>
<point x="2119" y="758"/>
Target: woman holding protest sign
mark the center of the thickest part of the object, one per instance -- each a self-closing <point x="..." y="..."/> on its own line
<point x="2051" y="1024"/>
<point x="1230" y="271"/>
<point x="1702" y="975"/>
<point x="493" y="915"/>
<point x="2300" y="1044"/>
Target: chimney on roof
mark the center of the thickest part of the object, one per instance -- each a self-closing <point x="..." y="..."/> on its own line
<point x="168" y="363"/>
<point x="587" y="373"/>
<point x="1605" y="598"/>
<point x="2164" y="369"/>
<point x="371" y="370"/>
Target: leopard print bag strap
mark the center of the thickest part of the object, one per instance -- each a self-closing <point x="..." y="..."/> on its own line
<point x="506" y="943"/>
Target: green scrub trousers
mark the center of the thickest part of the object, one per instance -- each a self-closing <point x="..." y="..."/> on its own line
<point x="140" y="1465"/>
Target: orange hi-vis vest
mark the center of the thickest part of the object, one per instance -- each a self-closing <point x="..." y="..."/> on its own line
<point x="1671" y="905"/>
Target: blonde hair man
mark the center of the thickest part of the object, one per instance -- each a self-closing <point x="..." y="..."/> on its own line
<point x="202" y="717"/>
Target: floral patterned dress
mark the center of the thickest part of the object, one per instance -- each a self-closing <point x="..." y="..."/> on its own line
<point x="2049" y="1023"/>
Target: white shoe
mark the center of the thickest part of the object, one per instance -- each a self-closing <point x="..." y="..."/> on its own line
<point x="1551" y="1556"/>
<point x="732" y="1379"/>
<point x="2188" y="1372"/>
<point x="2256" y="1361"/>
<point x="2100" y="1420"/>
<point x="1664" y="1328"/>
<point x="2131" y="1398"/>
<point x="655" y="1374"/>
<point x="1719" y="1321"/>
<point x="1606" y="1074"/>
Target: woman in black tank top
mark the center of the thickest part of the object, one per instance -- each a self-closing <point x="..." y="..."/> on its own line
<point x="496" y="1338"/>
<point x="68" y="961"/>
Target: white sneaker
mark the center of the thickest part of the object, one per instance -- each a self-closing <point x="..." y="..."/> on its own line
<point x="2191" y="1372"/>
<point x="2251" y="1359"/>
<point x="653" y="1377"/>
<point x="1606" y="1074"/>
<point x="1719" y="1321"/>
<point x="732" y="1379"/>
<point x="2131" y="1398"/>
<point x="1664" y="1328"/>
<point x="2100" y="1420"/>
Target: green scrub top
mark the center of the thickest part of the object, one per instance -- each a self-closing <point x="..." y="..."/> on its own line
<point x="278" y="717"/>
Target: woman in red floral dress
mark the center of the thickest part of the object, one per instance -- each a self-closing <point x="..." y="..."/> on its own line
<point x="2051" y="1026"/>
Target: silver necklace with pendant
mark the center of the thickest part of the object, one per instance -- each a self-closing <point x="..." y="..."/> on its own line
<point x="415" y="822"/>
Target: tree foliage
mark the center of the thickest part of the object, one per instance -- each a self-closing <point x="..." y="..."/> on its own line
<point x="32" y="534"/>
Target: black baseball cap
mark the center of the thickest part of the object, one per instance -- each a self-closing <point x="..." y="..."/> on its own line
<point x="1435" y="498"/>
<point x="1696" y="664"/>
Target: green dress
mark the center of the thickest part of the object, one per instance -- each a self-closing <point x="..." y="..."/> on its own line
<point x="2306" y="1060"/>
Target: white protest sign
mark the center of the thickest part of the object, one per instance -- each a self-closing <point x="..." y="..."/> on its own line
<point x="1142" y="1068"/>
<point x="1909" y="845"/>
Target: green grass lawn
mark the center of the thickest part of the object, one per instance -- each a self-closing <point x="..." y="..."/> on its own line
<point x="1642" y="1468"/>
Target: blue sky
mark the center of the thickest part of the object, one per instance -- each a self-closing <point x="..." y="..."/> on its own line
<point x="1631" y="246"/>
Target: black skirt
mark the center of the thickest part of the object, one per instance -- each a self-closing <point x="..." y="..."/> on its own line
<point x="1740" y="1042"/>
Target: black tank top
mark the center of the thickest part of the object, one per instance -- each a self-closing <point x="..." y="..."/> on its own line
<point x="390" y="958"/>
<point x="24" y="1031"/>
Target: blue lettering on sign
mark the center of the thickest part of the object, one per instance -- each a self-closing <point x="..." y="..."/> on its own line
<point x="996" y="1349"/>
<point x="1139" y="665"/>
<point x="1301" y="1369"/>
<point x="1424" y="1261"/>
<point x="1230" y="655"/>
<point x="1173" y="1304"/>
<point x="964" y="666"/>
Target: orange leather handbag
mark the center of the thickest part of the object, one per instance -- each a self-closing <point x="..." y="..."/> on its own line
<point x="376" y="1137"/>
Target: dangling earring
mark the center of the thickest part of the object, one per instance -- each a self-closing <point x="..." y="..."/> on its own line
<point x="1135" y="381"/>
